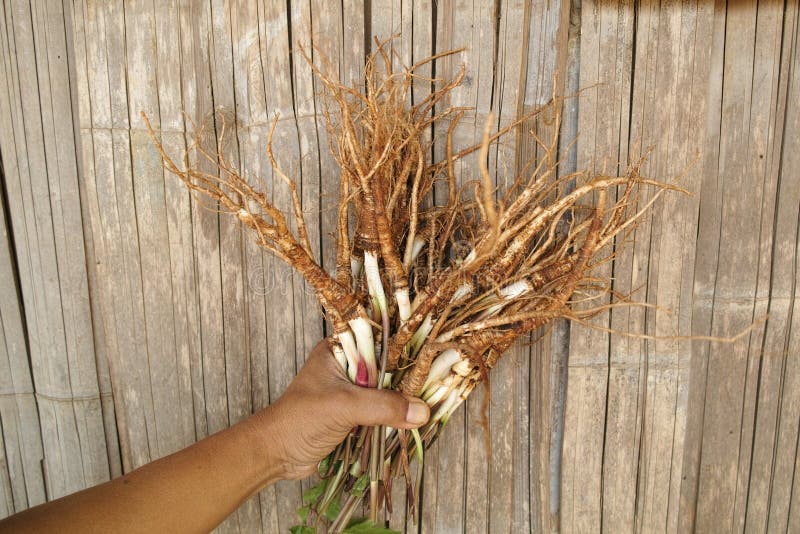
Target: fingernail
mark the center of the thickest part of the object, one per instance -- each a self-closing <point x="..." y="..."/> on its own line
<point x="417" y="412"/>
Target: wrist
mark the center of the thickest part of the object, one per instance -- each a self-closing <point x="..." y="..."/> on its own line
<point x="265" y="432"/>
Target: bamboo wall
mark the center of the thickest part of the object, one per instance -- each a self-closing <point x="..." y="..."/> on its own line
<point x="135" y="320"/>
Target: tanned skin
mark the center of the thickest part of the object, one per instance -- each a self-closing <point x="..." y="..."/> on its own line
<point x="195" y="489"/>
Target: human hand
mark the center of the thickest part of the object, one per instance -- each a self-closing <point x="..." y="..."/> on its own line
<point x="321" y="406"/>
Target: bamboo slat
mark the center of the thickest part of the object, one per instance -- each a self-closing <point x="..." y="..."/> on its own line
<point x="115" y="280"/>
<point x="41" y="184"/>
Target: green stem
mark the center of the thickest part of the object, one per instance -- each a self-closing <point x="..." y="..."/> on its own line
<point x="349" y="507"/>
<point x="420" y="452"/>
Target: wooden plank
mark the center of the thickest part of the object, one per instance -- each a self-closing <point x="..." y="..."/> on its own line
<point x="57" y="120"/>
<point x="195" y="99"/>
<point x="677" y="252"/>
<point x="306" y="169"/>
<point x="553" y="58"/>
<point x="327" y="36"/>
<point x="280" y="311"/>
<point x="109" y="193"/>
<point x="509" y="489"/>
<point x="55" y="283"/>
<point x="774" y="357"/>
<point x="605" y="59"/>
<point x="25" y="479"/>
<point x="253" y="111"/>
<point x="450" y="491"/>
<point x="226" y="94"/>
<point x="653" y="375"/>
<point x="30" y="158"/>
<point x="632" y="388"/>
<point x="6" y="497"/>
<point x="764" y="137"/>
<point x="708" y="61"/>
<point x="794" y="512"/>
<point x="727" y="432"/>
<point x="160" y="375"/>
<point x="705" y="281"/>
<point x="76" y="49"/>
<point x="177" y="204"/>
<point x="783" y="481"/>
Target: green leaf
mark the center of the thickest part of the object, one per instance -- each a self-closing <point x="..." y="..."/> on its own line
<point x="333" y="511"/>
<point x="312" y="494"/>
<point x="303" y="512"/>
<point x="360" y="485"/>
<point x="322" y="468"/>
<point x="302" y="529"/>
<point x="365" y="526"/>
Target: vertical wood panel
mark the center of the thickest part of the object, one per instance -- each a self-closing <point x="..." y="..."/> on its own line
<point x="21" y="444"/>
<point x="128" y="283"/>
<point x="23" y="477"/>
<point x="605" y="67"/>
<point x="41" y="181"/>
<point x="453" y="498"/>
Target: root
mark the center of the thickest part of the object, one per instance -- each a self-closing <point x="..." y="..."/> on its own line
<point x="471" y="274"/>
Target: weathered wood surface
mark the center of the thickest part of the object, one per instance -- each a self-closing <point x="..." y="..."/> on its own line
<point x="58" y="425"/>
<point x="115" y="279"/>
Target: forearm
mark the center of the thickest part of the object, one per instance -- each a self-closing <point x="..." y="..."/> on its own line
<point x="190" y="491"/>
<point x="195" y="489"/>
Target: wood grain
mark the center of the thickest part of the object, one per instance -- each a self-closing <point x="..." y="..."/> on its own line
<point x="136" y="319"/>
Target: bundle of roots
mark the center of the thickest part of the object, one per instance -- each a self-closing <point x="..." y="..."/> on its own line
<point x="436" y="274"/>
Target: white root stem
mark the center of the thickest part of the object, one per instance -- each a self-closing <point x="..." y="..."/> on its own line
<point x="416" y="248"/>
<point x="464" y="392"/>
<point x="420" y="453"/>
<point x="441" y="366"/>
<point x="350" y="350"/>
<point x="507" y="294"/>
<point x="444" y="409"/>
<point x="373" y="274"/>
<point x="340" y="356"/>
<point x="436" y="392"/>
<point x="365" y="343"/>
<point x="355" y="269"/>
<point x="440" y="392"/>
<point x="421" y="334"/>
<point x="463" y="291"/>
<point x="403" y="304"/>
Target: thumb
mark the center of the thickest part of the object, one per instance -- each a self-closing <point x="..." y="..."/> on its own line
<point x="370" y="407"/>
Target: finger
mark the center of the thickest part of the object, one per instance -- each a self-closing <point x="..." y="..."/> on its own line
<point x="371" y="407"/>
